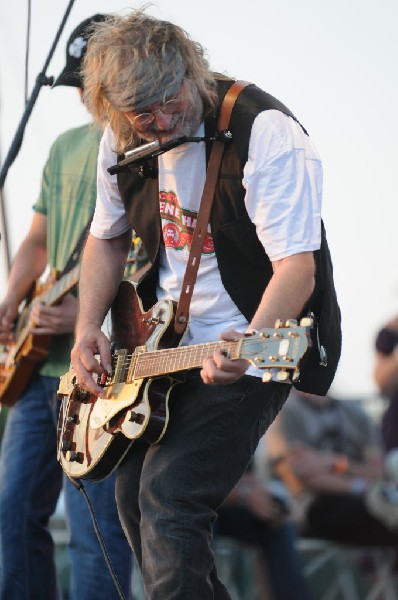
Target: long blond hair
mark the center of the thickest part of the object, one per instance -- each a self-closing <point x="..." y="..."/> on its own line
<point x="115" y="54"/>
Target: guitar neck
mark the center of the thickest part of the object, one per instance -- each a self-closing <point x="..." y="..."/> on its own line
<point x="60" y="287"/>
<point x="49" y="297"/>
<point x="273" y="350"/>
<point x="170" y="360"/>
<point x="277" y="352"/>
<point x="152" y="364"/>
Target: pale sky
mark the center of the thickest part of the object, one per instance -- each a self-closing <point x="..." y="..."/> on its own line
<point x="332" y="63"/>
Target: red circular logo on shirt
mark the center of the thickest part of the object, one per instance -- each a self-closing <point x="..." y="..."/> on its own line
<point x="171" y="234"/>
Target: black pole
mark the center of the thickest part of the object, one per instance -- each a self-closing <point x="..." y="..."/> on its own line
<point x="41" y="80"/>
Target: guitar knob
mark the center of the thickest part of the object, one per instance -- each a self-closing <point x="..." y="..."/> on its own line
<point x="134" y="417"/>
<point x="66" y="445"/>
<point x="72" y="419"/>
<point x="72" y="456"/>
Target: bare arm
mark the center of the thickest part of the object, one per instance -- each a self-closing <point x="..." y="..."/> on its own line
<point x="28" y="264"/>
<point x="311" y="470"/>
<point x="252" y="493"/>
<point x="101" y="272"/>
<point x="316" y="469"/>
<point x="290" y="287"/>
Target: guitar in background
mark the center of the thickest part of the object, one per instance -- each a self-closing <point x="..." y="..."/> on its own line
<point x="19" y="359"/>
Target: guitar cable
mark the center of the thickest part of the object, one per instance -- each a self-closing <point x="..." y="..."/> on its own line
<point x="79" y="486"/>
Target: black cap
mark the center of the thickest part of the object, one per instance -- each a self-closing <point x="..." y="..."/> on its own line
<point x="75" y="50"/>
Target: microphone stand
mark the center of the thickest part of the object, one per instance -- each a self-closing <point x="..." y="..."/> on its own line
<point x="41" y="80"/>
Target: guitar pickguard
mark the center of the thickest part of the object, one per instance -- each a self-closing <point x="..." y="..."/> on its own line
<point x="120" y="395"/>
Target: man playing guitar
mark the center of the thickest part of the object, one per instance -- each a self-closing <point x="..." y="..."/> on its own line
<point x="257" y="265"/>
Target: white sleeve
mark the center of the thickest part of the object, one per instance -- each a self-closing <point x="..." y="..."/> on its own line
<point x="283" y="183"/>
<point x="110" y="219"/>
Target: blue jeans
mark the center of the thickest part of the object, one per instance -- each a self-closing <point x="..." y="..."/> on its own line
<point x="30" y="484"/>
<point x="168" y="493"/>
<point x="91" y="579"/>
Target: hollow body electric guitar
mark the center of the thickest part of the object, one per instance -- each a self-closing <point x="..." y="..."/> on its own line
<point x="95" y="433"/>
<point x="19" y="359"/>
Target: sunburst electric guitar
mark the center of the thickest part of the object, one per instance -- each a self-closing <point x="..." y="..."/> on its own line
<point x="19" y="359"/>
<point x="95" y="433"/>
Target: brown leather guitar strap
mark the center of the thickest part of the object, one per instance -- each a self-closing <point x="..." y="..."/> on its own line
<point x="199" y="234"/>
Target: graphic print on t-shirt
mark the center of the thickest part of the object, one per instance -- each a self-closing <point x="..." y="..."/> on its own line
<point x="179" y="223"/>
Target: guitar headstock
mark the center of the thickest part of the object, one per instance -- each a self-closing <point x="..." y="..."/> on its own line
<point x="279" y="351"/>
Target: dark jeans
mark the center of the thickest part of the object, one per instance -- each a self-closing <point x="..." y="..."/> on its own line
<point x="30" y="484"/>
<point x="168" y="493"/>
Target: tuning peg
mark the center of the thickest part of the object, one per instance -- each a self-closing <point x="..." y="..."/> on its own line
<point x="287" y="358"/>
<point x="291" y="323"/>
<point x="277" y="335"/>
<point x="278" y="324"/>
<point x="295" y="375"/>
<point x="282" y="375"/>
<point x="267" y="376"/>
<point x="306" y="322"/>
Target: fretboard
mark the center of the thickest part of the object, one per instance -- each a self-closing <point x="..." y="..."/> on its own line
<point x="60" y="287"/>
<point x="50" y="297"/>
<point x="160" y="362"/>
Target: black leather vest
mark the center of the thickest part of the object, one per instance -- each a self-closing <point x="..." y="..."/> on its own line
<point x="244" y="266"/>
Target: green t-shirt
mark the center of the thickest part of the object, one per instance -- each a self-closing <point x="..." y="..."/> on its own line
<point x="67" y="198"/>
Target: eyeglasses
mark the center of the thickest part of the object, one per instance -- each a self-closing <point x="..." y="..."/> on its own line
<point x="143" y="120"/>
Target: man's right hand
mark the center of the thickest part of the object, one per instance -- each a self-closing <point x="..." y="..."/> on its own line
<point x="88" y="346"/>
<point x="8" y="314"/>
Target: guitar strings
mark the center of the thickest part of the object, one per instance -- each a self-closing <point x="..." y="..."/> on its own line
<point x="128" y="366"/>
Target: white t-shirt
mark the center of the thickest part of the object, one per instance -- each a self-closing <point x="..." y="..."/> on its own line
<point x="283" y="183"/>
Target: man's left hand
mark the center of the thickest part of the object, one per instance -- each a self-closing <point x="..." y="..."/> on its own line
<point x="221" y="370"/>
<point x="53" y="320"/>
